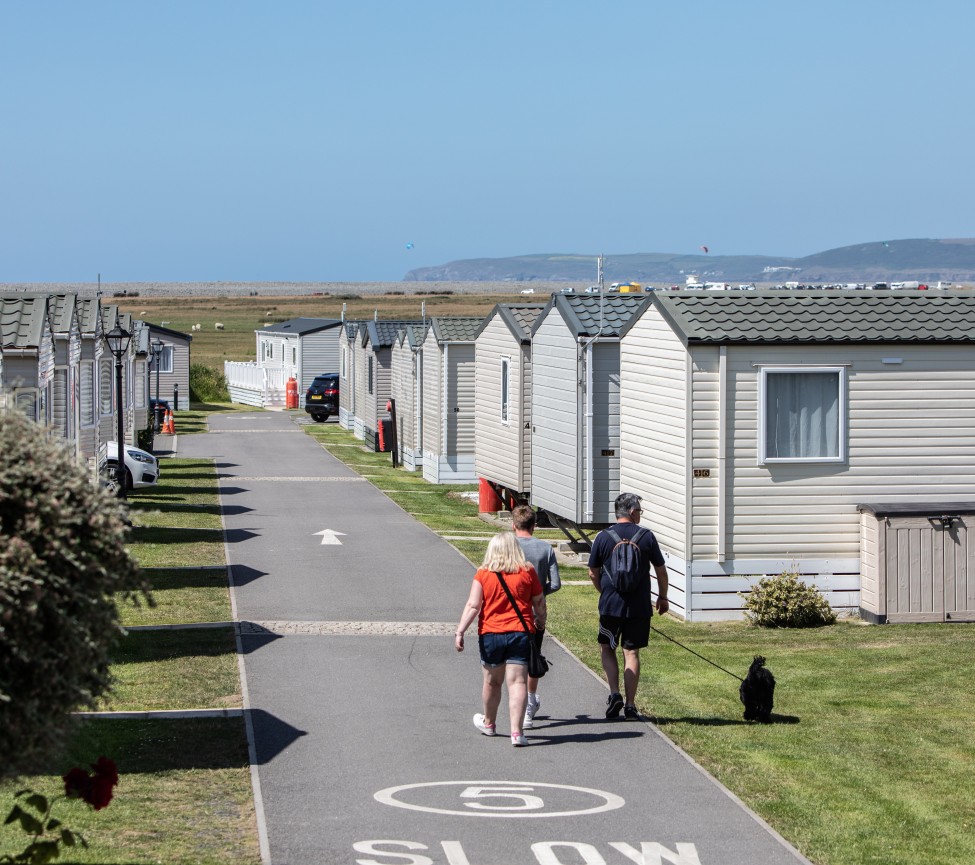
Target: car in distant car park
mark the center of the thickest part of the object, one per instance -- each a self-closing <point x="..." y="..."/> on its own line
<point x="528" y="291"/>
<point x="141" y="468"/>
<point x="322" y="397"/>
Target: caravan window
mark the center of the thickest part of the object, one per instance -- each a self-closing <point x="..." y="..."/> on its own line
<point x="505" y="376"/>
<point x="802" y="414"/>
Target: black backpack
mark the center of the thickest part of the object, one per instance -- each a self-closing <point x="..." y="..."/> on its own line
<point x="623" y="564"/>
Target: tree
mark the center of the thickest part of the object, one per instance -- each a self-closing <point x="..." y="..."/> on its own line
<point x="62" y="562"/>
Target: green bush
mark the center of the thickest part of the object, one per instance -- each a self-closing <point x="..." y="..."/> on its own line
<point x="207" y="385"/>
<point x="62" y="561"/>
<point x="784" y="601"/>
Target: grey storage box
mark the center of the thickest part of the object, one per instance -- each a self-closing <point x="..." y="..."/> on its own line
<point x="917" y="562"/>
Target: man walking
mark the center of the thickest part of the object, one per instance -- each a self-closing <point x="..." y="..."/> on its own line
<point x="541" y="557"/>
<point x="625" y="612"/>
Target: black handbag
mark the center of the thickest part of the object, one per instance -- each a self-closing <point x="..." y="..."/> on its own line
<point x="537" y="664"/>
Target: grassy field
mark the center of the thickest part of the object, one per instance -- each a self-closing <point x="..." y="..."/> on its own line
<point x="241" y="316"/>
<point x="870" y="758"/>
<point x="185" y="793"/>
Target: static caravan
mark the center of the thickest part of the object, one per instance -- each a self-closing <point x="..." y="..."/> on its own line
<point x="138" y="386"/>
<point x="406" y="364"/>
<point x="758" y="426"/>
<point x="91" y="349"/>
<point x="502" y="405"/>
<point x="575" y="446"/>
<point x="171" y="374"/>
<point x="348" y="340"/>
<point x="28" y="355"/>
<point x="107" y="418"/>
<point x="374" y="375"/>
<point x="447" y="397"/>
<point x="65" y="402"/>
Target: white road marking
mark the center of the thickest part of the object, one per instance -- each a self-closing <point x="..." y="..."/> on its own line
<point x="522" y="792"/>
<point x="330" y="536"/>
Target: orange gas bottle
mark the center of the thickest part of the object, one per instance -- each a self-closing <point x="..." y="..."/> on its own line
<point x="291" y="393"/>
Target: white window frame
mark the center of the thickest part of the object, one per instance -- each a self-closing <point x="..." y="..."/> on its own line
<point x="505" y="390"/>
<point x="166" y="359"/>
<point x="345" y="369"/>
<point x="842" y="426"/>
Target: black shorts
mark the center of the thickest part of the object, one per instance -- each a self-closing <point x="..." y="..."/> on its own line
<point x="629" y="633"/>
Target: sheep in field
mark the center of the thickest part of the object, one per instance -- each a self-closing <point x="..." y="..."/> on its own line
<point x="218" y="325"/>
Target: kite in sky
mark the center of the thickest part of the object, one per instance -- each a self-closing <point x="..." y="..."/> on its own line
<point x="705" y="249"/>
<point x="409" y="245"/>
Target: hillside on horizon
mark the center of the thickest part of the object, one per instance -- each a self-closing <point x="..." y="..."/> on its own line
<point x="882" y="261"/>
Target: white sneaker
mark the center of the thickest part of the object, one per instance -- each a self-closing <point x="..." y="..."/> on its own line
<point x="530" y="711"/>
<point x="483" y="726"/>
<point x="518" y="740"/>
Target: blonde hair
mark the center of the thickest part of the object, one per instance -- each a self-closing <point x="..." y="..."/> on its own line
<point x="504" y="554"/>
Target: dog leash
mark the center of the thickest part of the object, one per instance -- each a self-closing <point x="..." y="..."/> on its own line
<point x="723" y="670"/>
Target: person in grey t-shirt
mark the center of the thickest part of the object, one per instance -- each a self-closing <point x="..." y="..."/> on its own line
<point x="541" y="557"/>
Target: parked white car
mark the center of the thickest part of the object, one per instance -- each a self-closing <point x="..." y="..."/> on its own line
<point x="141" y="467"/>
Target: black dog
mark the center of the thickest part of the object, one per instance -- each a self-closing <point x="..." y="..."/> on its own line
<point x="756" y="692"/>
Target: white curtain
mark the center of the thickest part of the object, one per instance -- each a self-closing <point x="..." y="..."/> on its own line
<point x="802" y="415"/>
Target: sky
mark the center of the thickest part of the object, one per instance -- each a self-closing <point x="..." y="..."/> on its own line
<point x="230" y="140"/>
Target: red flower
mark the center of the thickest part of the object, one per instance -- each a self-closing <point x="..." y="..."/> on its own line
<point x="95" y="789"/>
<point x="76" y="783"/>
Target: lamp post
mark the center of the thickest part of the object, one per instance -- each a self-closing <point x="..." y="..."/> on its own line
<point x="157" y="349"/>
<point x="118" y="343"/>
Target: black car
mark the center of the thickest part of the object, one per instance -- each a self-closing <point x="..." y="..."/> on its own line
<point x="322" y="398"/>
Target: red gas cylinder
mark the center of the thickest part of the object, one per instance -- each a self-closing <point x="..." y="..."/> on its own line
<point x="488" y="500"/>
<point x="291" y="393"/>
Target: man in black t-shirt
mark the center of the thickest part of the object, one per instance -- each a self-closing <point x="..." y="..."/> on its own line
<point x="624" y="619"/>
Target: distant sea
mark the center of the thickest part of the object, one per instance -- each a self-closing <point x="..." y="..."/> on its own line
<point x="279" y="289"/>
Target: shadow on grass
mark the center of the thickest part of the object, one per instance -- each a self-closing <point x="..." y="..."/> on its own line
<point x="721" y="722"/>
<point x="165" y="579"/>
<point x="157" y="535"/>
<point x="140" y="647"/>
<point x="163" y="745"/>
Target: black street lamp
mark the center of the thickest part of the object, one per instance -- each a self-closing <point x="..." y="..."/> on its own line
<point x="118" y="343"/>
<point x="157" y="350"/>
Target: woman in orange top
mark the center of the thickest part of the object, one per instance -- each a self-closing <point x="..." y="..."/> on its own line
<point x="504" y="645"/>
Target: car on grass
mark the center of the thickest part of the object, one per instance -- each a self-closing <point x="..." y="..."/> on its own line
<point x="141" y="468"/>
<point x="322" y="397"/>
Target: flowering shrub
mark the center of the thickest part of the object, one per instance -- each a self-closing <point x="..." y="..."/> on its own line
<point x="784" y="601"/>
<point x="49" y="834"/>
<point x="62" y="561"/>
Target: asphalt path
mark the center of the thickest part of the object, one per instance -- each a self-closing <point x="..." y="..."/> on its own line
<point x="360" y="708"/>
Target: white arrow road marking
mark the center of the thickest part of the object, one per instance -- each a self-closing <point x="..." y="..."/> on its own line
<point x="330" y="536"/>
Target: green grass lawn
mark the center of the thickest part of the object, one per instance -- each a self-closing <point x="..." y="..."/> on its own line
<point x="870" y="759"/>
<point x="185" y="792"/>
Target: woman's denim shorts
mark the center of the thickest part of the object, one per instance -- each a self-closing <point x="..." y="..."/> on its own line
<point x="498" y="649"/>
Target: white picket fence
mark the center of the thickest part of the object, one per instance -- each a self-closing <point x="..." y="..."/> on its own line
<point x="250" y="384"/>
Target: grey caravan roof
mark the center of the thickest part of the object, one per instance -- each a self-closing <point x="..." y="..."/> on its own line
<point x="63" y="309"/>
<point x="605" y="315"/>
<point x="519" y="317"/>
<point x="302" y="326"/>
<point x="351" y="329"/>
<point x="23" y="320"/>
<point x="382" y="334"/>
<point x="834" y="316"/>
<point x="455" y="329"/>
<point x="412" y="333"/>
<point x="166" y="331"/>
<point x="88" y="310"/>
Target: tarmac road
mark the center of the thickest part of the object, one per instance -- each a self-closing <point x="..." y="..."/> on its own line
<point x="361" y="708"/>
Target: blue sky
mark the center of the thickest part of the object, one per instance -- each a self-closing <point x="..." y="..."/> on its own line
<point x="312" y="141"/>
